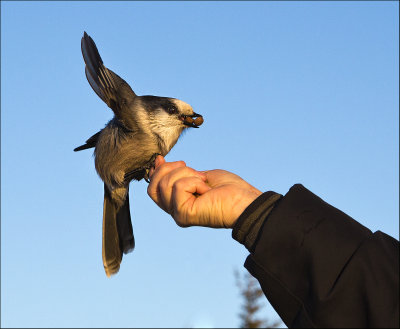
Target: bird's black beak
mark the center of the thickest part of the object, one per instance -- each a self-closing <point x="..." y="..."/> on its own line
<point x="194" y="120"/>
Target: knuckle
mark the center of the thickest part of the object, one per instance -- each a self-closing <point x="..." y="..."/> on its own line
<point x="173" y="165"/>
<point x="179" y="185"/>
<point x="151" y="191"/>
<point x="181" y="223"/>
<point x="189" y="171"/>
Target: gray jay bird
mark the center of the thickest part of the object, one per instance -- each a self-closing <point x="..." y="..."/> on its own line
<point x="125" y="150"/>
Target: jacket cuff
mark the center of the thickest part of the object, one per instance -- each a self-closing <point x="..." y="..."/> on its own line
<point x="249" y="223"/>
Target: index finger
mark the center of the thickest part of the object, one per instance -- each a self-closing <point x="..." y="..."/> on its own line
<point x="158" y="162"/>
<point x="162" y="169"/>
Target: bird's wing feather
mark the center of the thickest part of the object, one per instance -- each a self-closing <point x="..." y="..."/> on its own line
<point x="91" y="142"/>
<point x="112" y="89"/>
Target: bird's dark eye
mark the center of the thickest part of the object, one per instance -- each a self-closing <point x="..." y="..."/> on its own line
<point x="172" y="110"/>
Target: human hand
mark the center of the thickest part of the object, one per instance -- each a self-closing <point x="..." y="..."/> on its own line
<point x="213" y="198"/>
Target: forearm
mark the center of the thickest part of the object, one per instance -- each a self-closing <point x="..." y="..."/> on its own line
<point x="317" y="266"/>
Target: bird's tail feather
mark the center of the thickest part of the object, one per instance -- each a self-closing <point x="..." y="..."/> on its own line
<point x="117" y="232"/>
<point x="124" y="227"/>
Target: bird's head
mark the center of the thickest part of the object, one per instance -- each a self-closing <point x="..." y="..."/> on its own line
<point x="166" y="117"/>
<point x="170" y="112"/>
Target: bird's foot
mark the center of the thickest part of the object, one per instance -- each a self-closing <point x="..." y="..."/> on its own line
<point x="150" y="164"/>
<point x="142" y="172"/>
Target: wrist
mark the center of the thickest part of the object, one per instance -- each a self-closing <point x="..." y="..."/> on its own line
<point x="243" y="200"/>
<point x="250" y="222"/>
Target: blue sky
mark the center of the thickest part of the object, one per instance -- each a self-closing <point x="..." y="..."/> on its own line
<point x="291" y="92"/>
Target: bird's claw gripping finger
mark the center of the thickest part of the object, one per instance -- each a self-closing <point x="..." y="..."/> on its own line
<point x="152" y="161"/>
<point x="151" y="164"/>
<point x="142" y="172"/>
<point x="136" y="174"/>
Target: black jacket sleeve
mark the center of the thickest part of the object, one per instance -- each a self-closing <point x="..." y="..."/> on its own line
<point x="317" y="266"/>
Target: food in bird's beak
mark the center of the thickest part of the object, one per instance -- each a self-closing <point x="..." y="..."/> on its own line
<point x="198" y="121"/>
<point x="189" y="121"/>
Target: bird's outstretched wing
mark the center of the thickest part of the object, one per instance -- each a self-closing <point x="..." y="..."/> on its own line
<point x="112" y="89"/>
